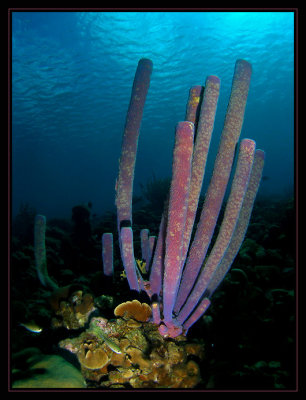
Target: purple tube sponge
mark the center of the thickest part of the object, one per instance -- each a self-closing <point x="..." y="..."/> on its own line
<point x="193" y="104"/>
<point x="124" y="184"/>
<point x="242" y="223"/>
<point x="107" y="254"/>
<point x="40" y="252"/>
<point x="128" y="259"/>
<point x="178" y="201"/>
<point x="201" y="147"/>
<point x="231" y="214"/>
<point x="182" y="277"/>
<point x="157" y="270"/>
<point x="222" y="169"/>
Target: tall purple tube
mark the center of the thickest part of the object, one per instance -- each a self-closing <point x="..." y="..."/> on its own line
<point x="128" y="259"/>
<point x="107" y="254"/>
<point x="178" y="201"/>
<point x="202" y="142"/>
<point x="180" y="290"/>
<point x="124" y="184"/>
<point x="231" y="214"/>
<point x="222" y="169"/>
<point x="157" y="270"/>
<point x="242" y="224"/>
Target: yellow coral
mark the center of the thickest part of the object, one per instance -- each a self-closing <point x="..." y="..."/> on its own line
<point x="134" y="309"/>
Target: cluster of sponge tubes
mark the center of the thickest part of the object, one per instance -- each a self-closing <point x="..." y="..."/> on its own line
<point x="182" y="274"/>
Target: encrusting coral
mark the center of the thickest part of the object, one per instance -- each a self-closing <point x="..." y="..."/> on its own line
<point x="130" y="352"/>
<point x="72" y="310"/>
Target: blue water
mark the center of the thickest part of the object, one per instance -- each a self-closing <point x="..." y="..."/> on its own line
<point x="72" y="74"/>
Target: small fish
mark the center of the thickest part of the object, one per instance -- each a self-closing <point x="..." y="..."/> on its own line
<point x="32" y="327"/>
<point x="112" y="345"/>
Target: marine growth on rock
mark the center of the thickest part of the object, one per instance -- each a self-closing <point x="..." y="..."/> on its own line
<point x="131" y="353"/>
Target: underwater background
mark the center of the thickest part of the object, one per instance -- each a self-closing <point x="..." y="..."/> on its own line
<point x="71" y="80"/>
<point x="72" y="74"/>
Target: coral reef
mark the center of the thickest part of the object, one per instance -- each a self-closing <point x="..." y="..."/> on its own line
<point x="72" y="310"/>
<point x="129" y="353"/>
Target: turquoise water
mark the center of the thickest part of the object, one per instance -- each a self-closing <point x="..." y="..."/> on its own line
<point x="72" y="74"/>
